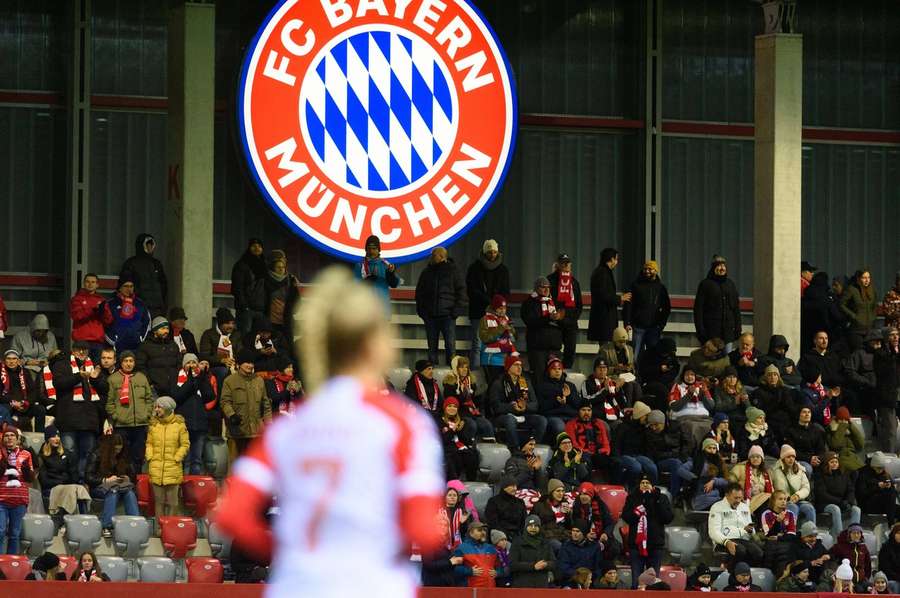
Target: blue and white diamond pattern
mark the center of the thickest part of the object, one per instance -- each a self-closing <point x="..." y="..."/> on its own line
<point x="378" y="110"/>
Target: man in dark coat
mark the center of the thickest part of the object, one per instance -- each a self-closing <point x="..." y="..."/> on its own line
<point x="147" y="272"/>
<point x="158" y="358"/>
<point x="440" y="298"/>
<point x="542" y="332"/>
<point x="578" y="551"/>
<point x="646" y="315"/>
<point x="531" y="557"/>
<point x="267" y="345"/>
<point x="717" y="311"/>
<point x="816" y="310"/>
<point x="605" y="301"/>
<point x="887" y="387"/>
<point x="181" y="336"/>
<point x="647" y="511"/>
<point x="566" y="293"/>
<point x="19" y="393"/>
<point x="505" y="511"/>
<point x="487" y="276"/>
<point x="248" y="286"/>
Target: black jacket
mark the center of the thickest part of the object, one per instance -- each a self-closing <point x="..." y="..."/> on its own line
<point x="263" y="362"/>
<point x="867" y="488"/>
<point x="437" y="572"/>
<point x="526" y="477"/>
<point x="190" y="343"/>
<point x="57" y="469"/>
<point x="834" y="488"/>
<point x="32" y="392"/>
<point x="717" y="311"/>
<point x="541" y="333"/>
<point x="748" y="375"/>
<point x="659" y="514"/>
<point x="440" y="292"/>
<point x="209" y="345"/>
<point x="649" y="367"/>
<point x="94" y="475"/>
<point x="149" y="277"/>
<point x="829" y="364"/>
<point x="889" y="558"/>
<point x="806" y="441"/>
<point x="779" y="361"/>
<point x="192" y="406"/>
<point x="483" y="281"/>
<point x="887" y="376"/>
<point x="71" y="415"/>
<point x="248" y="282"/>
<point x="572" y="313"/>
<point x="672" y="443"/>
<point x="159" y="360"/>
<point x="628" y="438"/>
<point x="779" y="405"/>
<point x="604" y="305"/>
<point x="525" y="552"/>
<point x="770" y="442"/>
<point x="506" y="513"/>
<point x="649" y="306"/>
<point x="548" y="405"/>
<point x="503" y="393"/>
<point x="816" y="311"/>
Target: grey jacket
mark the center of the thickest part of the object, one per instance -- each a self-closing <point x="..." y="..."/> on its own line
<point x="29" y="348"/>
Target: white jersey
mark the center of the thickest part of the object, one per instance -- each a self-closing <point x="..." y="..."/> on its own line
<point x="340" y="469"/>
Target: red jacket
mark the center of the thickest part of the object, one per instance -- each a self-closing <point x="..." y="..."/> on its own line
<point x="857" y="554"/>
<point x="87" y="323"/>
<point x="15" y="496"/>
<point x="590" y="437"/>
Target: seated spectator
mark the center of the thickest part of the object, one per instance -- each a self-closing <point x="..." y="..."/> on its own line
<point x="502" y="545"/>
<point x="609" y="578"/>
<point x="86" y="311"/>
<point x="377" y="270"/>
<point x="531" y="558"/>
<point x="511" y="402"/>
<point x="282" y="292"/>
<point x="486" y="278"/>
<point x="808" y="440"/>
<point x="710" y="360"/>
<point x="284" y="390"/>
<point x="729" y="398"/>
<point x="720" y="432"/>
<point x="581" y="579"/>
<point x="459" y="383"/>
<point x="845" y="439"/>
<point x="567" y="463"/>
<point x="88" y="569"/>
<point x="647" y="313"/>
<point x="159" y="358"/>
<point x="588" y="507"/>
<point x="811" y="549"/>
<point x="558" y="400"/>
<point x="14" y="481"/>
<point x="817" y="397"/>
<point x="731" y="527"/>
<point x="440" y="298"/>
<point x="851" y="546"/>
<point x="20" y="395"/>
<point x="756" y="432"/>
<point x="776" y="400"/>
<point x="167" y="447"/>
<point x="46" y="568"/>
<point x="110" y="476"/>
<point x="745" y="360"/>
<point x="880" y="584"/>
<point x="554" y="512"/>
<point x="480" y="564"/>
<point x="267" y="346"/>
<point x="181" y="336"/>
<point x="423" y="389"/>
<point x="779" y="528"/>
<point x="244" y="402"/>
<point x="129" y="406"/>
<point x="497" y="336"/>
<point x="629" y="442"/>
<point x="700" y="580"/>
<point x="835" y="494"/>
<point x="875" y="489"/>
<point x="669" y="447"/>
<point x="125" y="317"/>
<point x="710" y="471"/>
<point x="219" y="345"/>
<point x="647" y="512"/>
<point x="796" y="579"/>
<point x="609" y="397"/>
<point x="543" y="334"/>
<point x="691" y="403"/>
<point x="843" y="579"/>
<point x="577" y="552"/>
<point x="589" y="436"/>
<point x="460" y="454"/>
<point x="789" y="477"/>
<point x="526" y="468"/>
<point x="754" y="478"/>
<point x="58" y="470"/>
<point x="458" y="516"/>
<point x="777" y="355"/>
<point x="505" y="511"/>
<point x="195" y="396"/>
<point x="889" y="556"/>
<point x="35" y="344"/>
<point x="829" y="364"/>
<point x="658" y="369"/>
<point x="566" y="292"/>
<point x="619" y="355"/>
<point x="741" y="580"/>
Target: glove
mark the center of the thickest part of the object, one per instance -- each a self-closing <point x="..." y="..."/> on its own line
<point x="235" y="420"/>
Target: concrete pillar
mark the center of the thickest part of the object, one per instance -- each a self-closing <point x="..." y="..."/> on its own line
<point x="189" y="207"/>
<point x="778" y="108"/>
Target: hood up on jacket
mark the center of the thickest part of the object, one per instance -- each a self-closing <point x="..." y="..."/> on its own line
<point x="776" y="341"/>
<point x="140" y="244"/>
<point x="39" y="322"/>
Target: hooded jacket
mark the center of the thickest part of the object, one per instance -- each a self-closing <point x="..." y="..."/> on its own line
<point x="167" y="446"/>
<point x="889" y="555"/>
<point x="126" y="328"/>
<point x="525" y="552"/>
<point x="506" y="513"/>
<point x="86" y="311"/>
<point x="148" y="275"/>
<point x="845" y="439"/>
<point x="29" y="348"/>
<point x="485" y="279"/>
<point x="248" y="282"/>
<point x="782" y="363"/>
<point x="717" y="312"/>
<point x="650" y="305"/>
<point x="440" y="291"/>
<point x="159" y="359"/>
<point x="856" y="552"/>
<point x="71" y="415"/>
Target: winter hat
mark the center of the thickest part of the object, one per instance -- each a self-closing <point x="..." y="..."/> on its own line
<point x="656" y="417"/>
<point x="45" y="562"/>
<point x="223" y="315"/>
<point x="581" y="524"/>
<point x="490" y="245"/>
<point x="718" y="418"/>
<point x="811" y="372"/>
<point x="652" y="265"/>
<point x="709" y="442"/>
<point x="507" y="481"/>
<point x="50" y="431"/>
<point x="587" y="488"/>
<point x="541" y="281"/>
<point x="620" y="335"/>
<point x="753" y="414"/>
<point x="607" y="566"/>
<point x="799" y="567"/>
<point x="498" y="301"/>
<point x="246" y="355"/>
<point x="553" y="484"/>
<point x="532" y="519"/>
<point x="880" y="575"/>
<point x="639" y="410"/>
<point x="167" y="403"/>
<point x="742" y="568"/>
<point x="873" y="335"/>
<point x="878" y="460"/>
<point x="729" y="371"/>
<point x="772" y="368"/>
<point x="648" y="577"/>
<point x="560" y="437"/>
<point x="422" y="365"/>
<point x="525" y="440"/>
<point x="11" y="352"/>
<point x="177" y="313"/>
<point x="157" y="323"/>
<point x="188" y="357"/>
<point x="842" y="414"/>
<point x="600" y="361"/>
<point x="808" y="529"/>
<point x="124" y="277"/>
<point x="666" y="345"/>
<point x="496" y="536"/>
<point x="786" y="450"/>
<point x="702" y="569"/>
<point x="854" y="527"/>
<point x="844" y="572"/>
<point x="451" y="401"/>
<point x="718" y="259"/>
<point x="755" y="450"/>
<point x="552" y="361"/>
<point x="511" y="360"/>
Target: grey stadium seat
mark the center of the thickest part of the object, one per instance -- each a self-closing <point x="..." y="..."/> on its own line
<point x="399" y="377"/>
<point x="544" y="452"/>
<point x="215" y="457"/>
<point x="34" y="440"/>
<point x="160" y="569"/>
<point x="439" y="374"/>
<point x="625" y="575"/>
<point x="764" y="578"/>
<point x="131" y="535"/>
<point x="576" y="378"/>
<point x="493" y="459"/>
<point x="683" y="543"/>
<point x="826" y="537"/>
<point x="722" y="581"/>
<point x="35" y="502"/>
<point x="38" y="532"/>
<point x="219" y="543"/>
<point x="480" y="493"/>
<point x="114" y="566"/>
<point x="82" y="533"/>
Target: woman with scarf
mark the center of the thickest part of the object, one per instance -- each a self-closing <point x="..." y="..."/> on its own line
<point x="647" y="511"/>
<point x="459" y="383"/>
<point x="497" y="338"/>
<point x="543" y="334"/>
<point x="845" y="439"/>
<point x="566" y="292"/>
<point x="282" y="292"/>
<point x="555" y="513"/>
<point x="88" y="569"/>
<point x="779" y="527"/>
<point x="423" y="389"/>
<point x="729" y="397"/>
<point x="456" y="514"/>
<point x="567" y="464"/>
<point x="710" y="470"/>
<point x="756" y="431"/>
<point x="776" y="400"/>
<point x="460" y="454"/>
<point x="753" y="476"/>
<point x="720" y="431"/>
<point x="691" y="404"/>
<point x="195" y="397"/>
<point x="284" y="390"/>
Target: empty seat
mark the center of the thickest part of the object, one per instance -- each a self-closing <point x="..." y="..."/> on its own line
<point x="34" y="440"/>
<point x="892" y="466"/>
<point x="82" y="533"/>
<point x="399" y="377"/>
<point x="131" y="535"/>
<point x="14" y="566"/>
<point x="624" y="575"/>
<point x="683" y="543"/>
<point x="544" y="452"/>
<point x="764" y="578"/>
<point x="199" y="494"/>
<point x="215" y="457"/>
<point x="35" y="502"/>
<point x="722" y="580"/>
<point x="144" y="495"/>
<point x="871" y="543"/>
<point x="178" y="535"/>
<point x="576" y="378"/>
<point x="115" y="567"/>
<point x="826" y="537"/>
<point x="37" y="534"/>
<point x="158" y="569"/>
<point x="67" y="565"/>
<point x="676" y="578"/>
<point x="493" y="459"/>
<point x="480" y="493"/>
<point x="204" y="570"/>
<point x="614" y="498"/>
<point x="219" y="543"/>
<point x="439" y="374"/>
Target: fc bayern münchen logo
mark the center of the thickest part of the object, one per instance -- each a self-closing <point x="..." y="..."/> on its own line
<point x="394" y="118"/>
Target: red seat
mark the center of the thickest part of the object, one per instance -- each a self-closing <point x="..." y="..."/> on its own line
<point x="614" y="497"/>
<point x="203" y="569"/>
<point x="199" y="494"/>
<point x="67" y="565"/>
<point x="178" y="536"/>
<point x="675" y="577"/>
<point x="14" y="566"/>
<point x="145" y="495"/>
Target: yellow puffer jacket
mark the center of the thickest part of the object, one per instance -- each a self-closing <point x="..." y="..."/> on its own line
<point x="167" y="446"/>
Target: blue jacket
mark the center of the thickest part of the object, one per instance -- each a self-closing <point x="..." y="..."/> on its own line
<point x="379" y="276"/>
<point x="482" y="555"/>
<point x="125" y="331"/>
<point x="572" y="556"/>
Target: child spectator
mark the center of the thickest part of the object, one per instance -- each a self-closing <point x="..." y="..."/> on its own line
<point x="167" y="446"/>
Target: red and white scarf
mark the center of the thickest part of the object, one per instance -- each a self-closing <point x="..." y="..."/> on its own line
<point x="748" y="475"/>
<point x="367" y="271"/>
<point x="640" y="533"/>
<point x="125" y="390"/>
<point x="817" y="388"/>
<point x="611" y="408"/>
<point x="566" y="294"/>
<point x="78" y="391"/>
<point x="548" y="308"/>
<point x="423" y="398"/>
<point x="176" y="336"/>
<point x="464" y="393"/>
<point x="6" y="380"/>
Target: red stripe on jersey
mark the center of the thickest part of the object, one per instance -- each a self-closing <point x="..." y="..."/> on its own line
<point x="418" y="523"/>
<point x="258" y="451"/>
<point x="397" y="410"/>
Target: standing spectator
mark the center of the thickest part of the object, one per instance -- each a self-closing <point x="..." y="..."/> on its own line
<point x="282" y="292"/>
<point x="423" y="389"/>
<point x="35" y="344"/>
<point x="107" y="363"/>
<point x="710" y="360"/>
<point x="129" y="406"/>
<point x="527" y="469"/>
<point x="148" y="275"/>
<point x="377" y="270"/>
<point x="20" y="396"/>
<point x="195" y="396"/>
<point x="859" y="304"/>
<point x="647" y="511"/>
<point x="440" y="295"/>
<point x="86" y="311"/>
<point x="167" y="446"/>
<point x="219" y="345"/>
<point x="557" y="399"/>
<point x="887" y="376"/>
<point x="284" y="390"/>
<point x="531" y="558"/>
<point x="647" y="313"/>
<point x="890" y="305"/>
<point x="790" y="478"/>
<point x="618" y="354"/>
<point x="605" y="301"/>
<point x="4" y="319"/>
<point x="543" y="334"/>
<point x="126" y="318"/>
<point x="511" y="402"/>
<point x="505" y="511"/>
<point x="745" y="360"/>
<point x="555" y="513"/>
<point x="817" y="311"/>
<point x="158" y="357"/>
<point x="875" y="488"/>
<point x="836" y="494"/>
<point x="244" y="402"/>
<point x="731" y="527"/>
<point x="438" y="564"/>
<point x="18" y="473"/>
<point x="806" y="275"/>
<point x="497" y="337"/>
<point x="480" y="561"/>
<point x="76" y="386"/>
<point x="181" y="336"/>
<point x="590" y="438"/>
<point x="460" y="455"/>
<point x="808" y="439"/>
<point x="110" y="475"/>
<point x="566" y="292"/>
<point x="717" y="311"/>
<point x="502" y="545"/>
<point x="248" y="280"/>
<point x="577" y="552"/>
<point x="486" y="278"/>
<point x="859" y="368"/>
